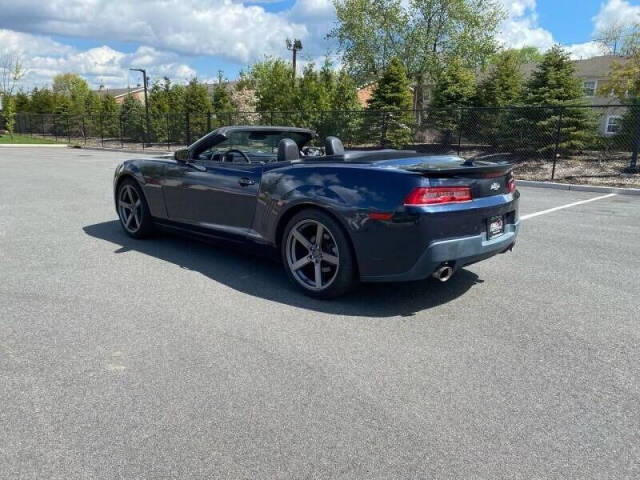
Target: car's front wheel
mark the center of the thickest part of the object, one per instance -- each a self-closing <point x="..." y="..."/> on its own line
<point x="317" y="255"/>
<point x="133" y="210"/>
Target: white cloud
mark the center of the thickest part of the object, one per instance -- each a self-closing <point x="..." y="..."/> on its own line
<point x="579" y="51"/>
<point x="222" y="28"/>
<point x="618" y="13"/>
<point x="521" y="29"/>
<point x="44" y="58"/>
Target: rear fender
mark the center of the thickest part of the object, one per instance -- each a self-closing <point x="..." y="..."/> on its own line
<point x="348" y="192"/>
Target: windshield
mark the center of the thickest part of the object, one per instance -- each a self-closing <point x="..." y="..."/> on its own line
<point x="255" y="144"/>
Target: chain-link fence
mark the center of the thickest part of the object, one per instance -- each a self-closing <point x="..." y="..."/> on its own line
<point x="535" y="134"/>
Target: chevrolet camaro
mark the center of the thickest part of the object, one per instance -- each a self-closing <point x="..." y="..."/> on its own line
<point x="335" y="216"/>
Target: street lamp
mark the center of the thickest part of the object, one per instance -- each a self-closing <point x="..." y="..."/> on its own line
<point x="146" y="103"/>
<point x="294" y="47"/>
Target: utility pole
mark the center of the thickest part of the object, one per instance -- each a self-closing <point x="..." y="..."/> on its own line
<point x="294" y="47"/>
<point x="146" y="101"/>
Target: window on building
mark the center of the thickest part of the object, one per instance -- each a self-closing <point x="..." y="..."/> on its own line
<point x="614" y="124"/>
<point x="589" y="88"/>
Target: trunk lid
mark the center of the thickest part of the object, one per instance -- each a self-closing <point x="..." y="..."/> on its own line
<point x="487" y="176"/>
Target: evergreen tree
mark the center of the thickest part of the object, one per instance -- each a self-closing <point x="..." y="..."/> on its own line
<point x="554" y="84"/>
<point x="159" y="110"/>
<point x="197" y="105"/>
<point x="132" y="115"/>
<point x="500" y="88"/>
<point x="22" y="102"/>
<point x="503" y="84"/>
<point x="455" y="89"/>
<point x="42" y="101"/>
<point x="390" y="106"/>
<point x="109" y="117"/>
<point x="221" y="100"/>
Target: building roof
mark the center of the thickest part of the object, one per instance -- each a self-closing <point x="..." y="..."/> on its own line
<point x="589" y="67"/>
<point x="119" y="92"/>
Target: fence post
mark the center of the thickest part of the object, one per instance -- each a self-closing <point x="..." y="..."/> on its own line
<point x="42" y="121"/>
<point x="84" y="132"/>
<point x="120" y="124"/>
<point x="557" y="144"/>
<point x="383" y="132"/>
<point x="460" y="117"/>
<point x="187" y="129"/>
<point x="633" y="166"/>
<point x="168" y="134"/>
<point x="101" y="131"/>
<point x="208" y="121"/>
<point x="68" y="129"/>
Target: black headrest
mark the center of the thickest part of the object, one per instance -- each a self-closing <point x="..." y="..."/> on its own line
<point x="288" y="150"/>
<point x="333" y="146"/>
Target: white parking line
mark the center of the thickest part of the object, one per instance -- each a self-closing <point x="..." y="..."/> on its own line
<point x="531" y="215"/>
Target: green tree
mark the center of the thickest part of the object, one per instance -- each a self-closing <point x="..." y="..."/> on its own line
<point x="424" y="34"/>
<point x="42" y="101"/>
<point x="74" y="88"/>
<point x="455" y="90"/>
<point x="11" y="73"/>
<point x="554" y="84"/>
<point x="22" y="102"/>
<point x="344" y="119"/>
<point x="501" y="87"/>
<point x="9" y="112"/>
<point x="159" y="110"/>
<point x="390" y="106"/>
<point x="221" y="99"/>
<point x="272" y="81"/>
<point x="132" y="115"/>
<point x="197" y="105"/>
<point x="109" y="117"/>
<point x="524" y="54"/>
<point x="503" y="84"/>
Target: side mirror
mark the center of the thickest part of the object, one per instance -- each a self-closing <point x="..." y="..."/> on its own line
<point x="182" y="155"/>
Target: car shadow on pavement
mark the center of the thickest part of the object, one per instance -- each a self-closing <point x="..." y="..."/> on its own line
<point x="255" y="272"/>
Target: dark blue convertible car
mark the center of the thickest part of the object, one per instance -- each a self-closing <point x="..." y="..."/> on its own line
<point x="336" y="216"/>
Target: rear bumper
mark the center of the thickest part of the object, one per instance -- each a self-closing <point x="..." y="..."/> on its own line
<point x="458" y="252"/>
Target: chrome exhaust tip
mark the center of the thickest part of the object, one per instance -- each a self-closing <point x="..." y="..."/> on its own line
<point x="443" y="273"/>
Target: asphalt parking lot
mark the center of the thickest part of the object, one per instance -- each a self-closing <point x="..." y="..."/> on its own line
<point x="168" y="358"/>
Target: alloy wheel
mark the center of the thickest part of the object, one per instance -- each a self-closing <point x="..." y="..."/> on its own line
<point x="312" y="255"/>
<point x="130" y="208"/>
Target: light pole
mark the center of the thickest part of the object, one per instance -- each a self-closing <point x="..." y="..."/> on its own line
<point x="294" y="47"/>
<point x="146" y="102"/>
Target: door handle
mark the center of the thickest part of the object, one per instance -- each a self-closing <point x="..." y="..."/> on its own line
<point x="245" y="182"/>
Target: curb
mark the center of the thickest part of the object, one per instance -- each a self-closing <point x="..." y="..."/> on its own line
<point x="33" y="145"/>
<point x="578" y="188"/>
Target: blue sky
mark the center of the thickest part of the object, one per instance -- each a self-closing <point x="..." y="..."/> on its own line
<point x="102" y="39"/>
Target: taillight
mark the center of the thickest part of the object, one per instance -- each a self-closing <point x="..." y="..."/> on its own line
<point x="438" y="195"/>
<point x="511" y="183"/>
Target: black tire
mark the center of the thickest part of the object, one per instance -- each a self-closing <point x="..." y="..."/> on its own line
<point x="133" y="210"/>
<point x="302" y="258"/>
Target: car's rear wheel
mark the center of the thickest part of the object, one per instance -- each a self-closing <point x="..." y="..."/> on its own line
<point x="133" y="210"/>
<point x="317" y="255"/>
